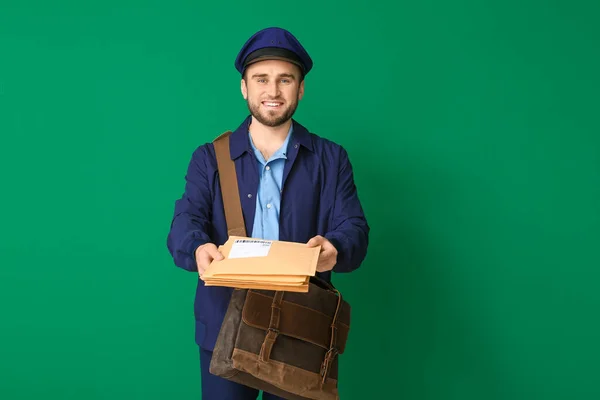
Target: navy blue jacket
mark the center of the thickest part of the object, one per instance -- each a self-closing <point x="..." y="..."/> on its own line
<point x="318" y="197"/>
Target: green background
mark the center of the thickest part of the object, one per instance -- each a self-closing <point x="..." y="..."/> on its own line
<point x="473" y="130"/>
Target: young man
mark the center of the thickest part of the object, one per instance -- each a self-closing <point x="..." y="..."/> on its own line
<point x="294" y="186"/>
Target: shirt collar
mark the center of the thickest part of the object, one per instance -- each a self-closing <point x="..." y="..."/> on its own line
<point x="280" y="153"/>
<point x="240" y="141"/>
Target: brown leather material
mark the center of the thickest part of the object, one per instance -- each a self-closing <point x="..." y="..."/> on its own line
<point x="303" y="382"/>
<point x="236" y="335"/>
<point x="272" y="329"/>
<point x="287" y="349"/>
<point x="222" y="363"/>
<point x="296" y="321"/>
<point x="229" y="188"/>
<point x="319" y="359"/>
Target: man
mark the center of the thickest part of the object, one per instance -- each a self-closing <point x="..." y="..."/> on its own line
<point x="294" y="186"/>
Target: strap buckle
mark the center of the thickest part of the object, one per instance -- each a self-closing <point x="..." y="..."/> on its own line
<point x="329" y="356"/>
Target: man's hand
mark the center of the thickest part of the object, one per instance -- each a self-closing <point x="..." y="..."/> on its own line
<point x="205" y="254"/>
<point x="328" y="255"/>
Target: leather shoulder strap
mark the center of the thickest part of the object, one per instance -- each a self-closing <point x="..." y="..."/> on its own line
<point x="229" y="187"/>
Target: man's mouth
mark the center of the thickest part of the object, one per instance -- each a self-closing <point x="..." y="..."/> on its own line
<point x="272" y="104"/>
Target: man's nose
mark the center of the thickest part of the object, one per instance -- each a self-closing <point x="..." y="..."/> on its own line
<point x="273" y="89"/>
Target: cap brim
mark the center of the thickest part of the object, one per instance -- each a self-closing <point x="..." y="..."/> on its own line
<point x="265" y="58"/>
<point x="273" y="53"/>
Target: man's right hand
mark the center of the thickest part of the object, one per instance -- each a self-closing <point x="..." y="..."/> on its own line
<point x="205" y="254"/>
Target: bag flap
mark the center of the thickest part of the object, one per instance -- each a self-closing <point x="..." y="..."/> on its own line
<point x="296" y="321"/>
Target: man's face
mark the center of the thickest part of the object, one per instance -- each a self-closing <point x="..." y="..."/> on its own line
<point x="272" y="89"/>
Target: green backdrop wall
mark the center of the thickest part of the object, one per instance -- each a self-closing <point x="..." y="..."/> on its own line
<point x="473" y="130"/>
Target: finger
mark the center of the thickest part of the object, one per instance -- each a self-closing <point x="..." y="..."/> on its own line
<point x="205" y="258"/>
<point x="327" y="253"/>
<point x="327" y="259"/>
<point x="317" y="240"/>
<point x="324" y="266"/>
<point x="214" y="253"/>
<point x="203" y="262"/>
<point x="329" y="246"/>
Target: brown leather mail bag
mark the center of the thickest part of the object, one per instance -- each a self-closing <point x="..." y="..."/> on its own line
<point x="284" y="343"/>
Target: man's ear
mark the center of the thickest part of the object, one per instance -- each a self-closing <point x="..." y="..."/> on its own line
<point x="244" y="89"/>
<point x="301" y="90"/>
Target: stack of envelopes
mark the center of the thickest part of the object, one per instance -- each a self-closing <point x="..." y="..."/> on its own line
<point x="263" y="264"/>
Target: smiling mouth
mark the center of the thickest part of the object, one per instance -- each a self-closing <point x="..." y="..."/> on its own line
<point x="272" y="104"/>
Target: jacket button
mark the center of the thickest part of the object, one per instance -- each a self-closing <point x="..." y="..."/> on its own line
<point x="249" y="195"/>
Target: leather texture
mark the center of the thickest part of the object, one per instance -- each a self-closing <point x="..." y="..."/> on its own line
<point x="231" y="194"/>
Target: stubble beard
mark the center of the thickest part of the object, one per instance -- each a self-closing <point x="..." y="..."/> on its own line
<point x="272" y="118"/>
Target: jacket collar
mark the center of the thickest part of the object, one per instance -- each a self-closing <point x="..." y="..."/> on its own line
<point x="239" y="142"/>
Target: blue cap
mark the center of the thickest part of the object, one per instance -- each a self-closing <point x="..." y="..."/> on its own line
<point x="273" y="44"/>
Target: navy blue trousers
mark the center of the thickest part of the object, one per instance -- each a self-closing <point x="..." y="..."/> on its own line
<point x="216" y="388"/>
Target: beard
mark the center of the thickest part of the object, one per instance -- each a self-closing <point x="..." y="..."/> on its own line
<point x="271" y="118"/>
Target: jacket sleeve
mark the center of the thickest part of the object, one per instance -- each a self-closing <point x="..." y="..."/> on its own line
<point x="192" y="215"/>
<point x="350" y="234"/>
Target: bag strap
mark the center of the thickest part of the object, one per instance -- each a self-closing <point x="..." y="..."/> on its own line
<point x="229" y="187"/>
<point x="333" y="350"/>
<point x="235" y="226"/>
<point x="265" y="349"/>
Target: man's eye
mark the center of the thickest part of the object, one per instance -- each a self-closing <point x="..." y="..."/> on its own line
<point x="285" y="81"/>
<point x="262" y="80"/>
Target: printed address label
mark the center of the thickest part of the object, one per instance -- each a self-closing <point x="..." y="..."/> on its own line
<point x="244" y="248"/>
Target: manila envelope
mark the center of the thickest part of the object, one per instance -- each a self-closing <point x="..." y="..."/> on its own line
<point x="271" y="260"/>
<point x="280" y="279"/>
<point x="296" y="289"/>
<point x="303" y="287"/>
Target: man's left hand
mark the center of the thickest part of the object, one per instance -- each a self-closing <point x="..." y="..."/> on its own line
<point x="328" y="255"/>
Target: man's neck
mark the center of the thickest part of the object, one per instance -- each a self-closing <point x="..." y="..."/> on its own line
<point x="268" y="137"/>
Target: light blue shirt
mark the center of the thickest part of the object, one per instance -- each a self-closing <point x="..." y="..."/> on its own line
<point x="268" y="198"/>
